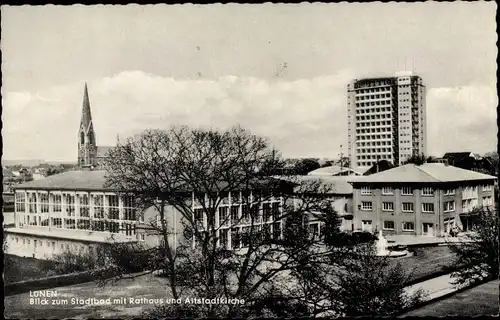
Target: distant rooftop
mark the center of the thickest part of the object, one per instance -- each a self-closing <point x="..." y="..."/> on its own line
<point x="426" y="173"/>
<point x="333" y="171"/>
<point x="338" y="185"/>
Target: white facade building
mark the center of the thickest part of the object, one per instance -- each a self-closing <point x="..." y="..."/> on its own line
<point x="386" y="119"/>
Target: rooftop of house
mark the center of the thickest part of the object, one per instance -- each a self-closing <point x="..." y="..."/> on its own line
<point x="334" y="185"/>
<point x="425" y="173"/>
<point x="332" y="171"/>
<point x="95" y="180"/>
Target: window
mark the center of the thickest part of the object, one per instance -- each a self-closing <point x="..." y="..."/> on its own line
<point x="57" y="201"/>
<point x="98" y="206"/>
<point x="428" y="207"/>
<point x="407" y="206"/>
<point x="407" y="191"/>
<point x="387" y="190"/>
<point x="20" y="202"/>
<point x="449" y="206"/>
<point x="235" y="210"/>
<point x="448" y="192"/>
<point x="408" y="226"/>
<point x="198" y="218"/>
<point x="277" y="230"/>
<point x="113" y="207"/>
<point x="487" y="187"/>
<point x="129" y="212"/>
<point x="224" y="238"/>
<point x="487" y="201"/>
<point x="388" y="206"/>
<point x="223" y="217"/>
<point x="44" y="202"/>
<point x="366" y="205"/>
<point x="366" y="190"/>
<point x="84" y="205"/>
<point x="142" y="237"/>
<point x="235" y="238"/>
<point x="266" y="211"/>
<point x="388" y="225"/>
<point x="427" y="191"/>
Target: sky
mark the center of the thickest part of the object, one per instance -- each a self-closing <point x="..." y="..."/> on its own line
<point x="280" y="71"/>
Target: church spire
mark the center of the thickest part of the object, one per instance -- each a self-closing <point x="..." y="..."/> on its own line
<point x="86" y="115"/>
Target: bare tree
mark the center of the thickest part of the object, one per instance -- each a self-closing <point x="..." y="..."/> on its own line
<point x="173" y="170"/>
<point x="261" y="251"/>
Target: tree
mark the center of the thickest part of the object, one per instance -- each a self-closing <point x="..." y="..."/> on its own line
<point x="174" y="170"/>
<point x="418" y="160"/>
<point x="171" y="170"/>
<point x="304" y="166"/>
<point x="477" y="254"/>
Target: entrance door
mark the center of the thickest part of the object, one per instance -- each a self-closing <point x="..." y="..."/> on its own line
<point x="366" y="225"/>
<point x="427" y="229"/>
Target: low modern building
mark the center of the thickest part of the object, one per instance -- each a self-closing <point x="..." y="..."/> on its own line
<point x="420" y="200"/>
<point x="75" y="210"/>
<point x="335" y="189"/>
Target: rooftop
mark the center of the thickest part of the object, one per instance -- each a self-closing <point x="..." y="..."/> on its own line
<point x="332" y="170"/>
<point x="332" y="184"/>
<point x="426" y="173"/>
<point x="69" y="180"/>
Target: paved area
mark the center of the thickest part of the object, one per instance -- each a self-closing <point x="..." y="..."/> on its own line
<point x="143" y="287"/>
<point x="409" y="240"/>
<point x="481" y="300"/>
<point x="434" y="288"/>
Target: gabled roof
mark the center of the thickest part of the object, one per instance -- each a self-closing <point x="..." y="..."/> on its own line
<point x="458" y="155"/>
<point x="426" y="173"/>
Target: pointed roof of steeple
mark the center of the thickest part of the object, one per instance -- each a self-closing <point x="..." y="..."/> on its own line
<point x="86" y="115"/>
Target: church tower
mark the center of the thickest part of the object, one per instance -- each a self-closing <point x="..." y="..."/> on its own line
<point x="87" y="148"/>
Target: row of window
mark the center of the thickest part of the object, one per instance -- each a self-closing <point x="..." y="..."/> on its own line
<point x="373" y="124"/>
<point x="385" y="110"/>
<point x="241" y="214"/>
<point x="389" y="225"/>
<point x="427" y="191"/>
<point x="387" y="94"/>
<point x="405" y="206"/>
<point x="374" y="116"/>
<point x="373" y="103"/>
<point x="374" y="137"/>
<point x="241" y="237"/>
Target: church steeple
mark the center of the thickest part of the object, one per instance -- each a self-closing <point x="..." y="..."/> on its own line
<point x="87" y="149"/>
<point x="86" y="115"/>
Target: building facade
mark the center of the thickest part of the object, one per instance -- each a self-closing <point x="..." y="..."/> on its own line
<point x="420" y="200"/>
<point x="75" y="211"/>
<point x="386" y="119"/>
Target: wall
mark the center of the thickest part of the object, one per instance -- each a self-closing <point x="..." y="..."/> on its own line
<point x="24" y="245"/>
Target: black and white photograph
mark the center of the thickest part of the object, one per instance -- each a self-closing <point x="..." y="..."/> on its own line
<point x="250" y="160"/>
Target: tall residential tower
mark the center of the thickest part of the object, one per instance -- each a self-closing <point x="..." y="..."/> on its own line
<point x="386" y="119"/>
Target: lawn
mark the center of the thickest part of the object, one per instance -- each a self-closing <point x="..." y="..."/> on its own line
<point x="21" y="269"/>
<point x="481" y="300"/>
<point x="428" y="260"/>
